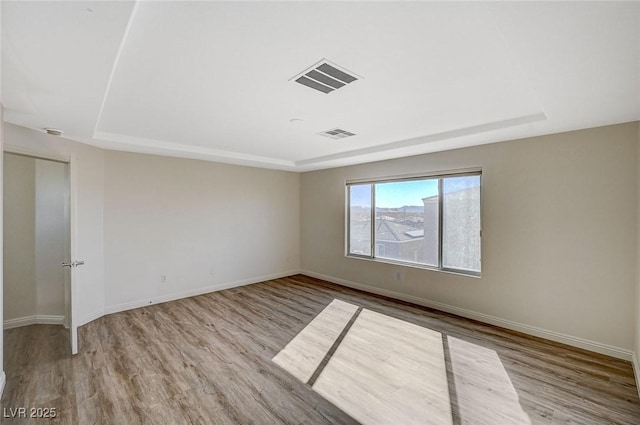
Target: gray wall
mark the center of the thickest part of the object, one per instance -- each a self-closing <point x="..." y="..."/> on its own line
<point x="559" y="235"/>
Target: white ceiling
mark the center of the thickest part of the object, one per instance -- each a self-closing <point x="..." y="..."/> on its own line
<point x="212" y="80"/>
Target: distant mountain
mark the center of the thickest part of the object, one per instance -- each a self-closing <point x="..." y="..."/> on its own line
<point x="415" y="209"/>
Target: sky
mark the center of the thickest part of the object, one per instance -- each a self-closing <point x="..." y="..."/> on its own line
<point x="398" y="194"/>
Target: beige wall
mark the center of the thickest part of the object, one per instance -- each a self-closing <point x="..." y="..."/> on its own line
<point x="559" y="236"/>
<point x="19" y="237"/>
<point x="202" y="225"/>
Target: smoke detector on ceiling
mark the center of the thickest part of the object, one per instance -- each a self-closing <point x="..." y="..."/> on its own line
<point x="325" y="77"/>
<point x="336" y="133"/>
<point x="53" y="131"/>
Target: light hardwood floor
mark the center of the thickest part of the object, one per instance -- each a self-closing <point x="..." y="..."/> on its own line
<point x="208" y="360"/>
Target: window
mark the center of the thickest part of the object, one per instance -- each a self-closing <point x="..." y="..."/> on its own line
<point x="431" y="221"/>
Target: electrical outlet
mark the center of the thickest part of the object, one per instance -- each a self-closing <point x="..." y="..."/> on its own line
<point x="163" y="278"/>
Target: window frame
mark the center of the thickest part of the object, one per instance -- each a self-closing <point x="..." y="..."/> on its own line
<point x="404" y="178"/>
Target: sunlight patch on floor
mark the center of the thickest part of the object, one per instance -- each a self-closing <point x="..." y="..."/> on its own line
<point x="388" y="371"/>
<point x="302" y="356"/>
<point x="382" y="370"/>
<point x="484" y="391"/>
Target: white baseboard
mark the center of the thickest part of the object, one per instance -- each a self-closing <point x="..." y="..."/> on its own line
<point x="20" y="321"/>
<point x="636" y="371"/>
<point x="594" y="346"/>
<point x="3" y="380"/>
<point x="39" y="319"/>
<point x="194" y="292"/>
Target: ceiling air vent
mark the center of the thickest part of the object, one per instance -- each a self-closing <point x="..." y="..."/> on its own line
<point x="325" y="77"/>
<point x="336" y="133"/>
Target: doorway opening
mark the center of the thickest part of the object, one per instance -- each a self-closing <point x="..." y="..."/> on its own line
<point x="37" y="228"/>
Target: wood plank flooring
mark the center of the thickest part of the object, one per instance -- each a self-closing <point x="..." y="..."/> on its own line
<point x="208" y="360"/>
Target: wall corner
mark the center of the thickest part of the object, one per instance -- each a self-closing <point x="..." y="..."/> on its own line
<point x="2" y="374"/>
<point x="636" y="348"/>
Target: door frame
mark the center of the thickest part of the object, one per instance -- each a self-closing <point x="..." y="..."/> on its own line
<point x="71" y="162"/>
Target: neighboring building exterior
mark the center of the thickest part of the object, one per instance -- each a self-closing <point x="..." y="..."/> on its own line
<point x="396" y="241"/>
<point x="460" y="232"/>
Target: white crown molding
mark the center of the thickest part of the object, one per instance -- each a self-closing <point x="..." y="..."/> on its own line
<point x="428" y="141"/>
<point x="159" y="147"/>
<point x="451" y="139"/>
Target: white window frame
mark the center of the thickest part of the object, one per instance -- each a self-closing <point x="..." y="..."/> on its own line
<point x="402" y="178"/>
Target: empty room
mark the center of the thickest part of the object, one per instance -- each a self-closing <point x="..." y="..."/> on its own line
<point x="320" y="212"/>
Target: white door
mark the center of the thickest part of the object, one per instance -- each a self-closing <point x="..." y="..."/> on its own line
<point x="86" y="175"/>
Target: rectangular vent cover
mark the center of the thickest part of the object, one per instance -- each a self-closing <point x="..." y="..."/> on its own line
<point x="336" y="133"/>
<point x="325" y="77"/>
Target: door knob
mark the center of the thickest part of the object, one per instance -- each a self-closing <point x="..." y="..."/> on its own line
<point x="73" y="264"/>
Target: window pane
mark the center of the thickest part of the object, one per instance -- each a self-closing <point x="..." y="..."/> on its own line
<point x="405" y="229"/>
<point x="360" y="219"/>
<point x="461" y="223"/>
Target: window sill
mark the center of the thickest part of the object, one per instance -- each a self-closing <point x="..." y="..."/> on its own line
<point x="416" y="266"/>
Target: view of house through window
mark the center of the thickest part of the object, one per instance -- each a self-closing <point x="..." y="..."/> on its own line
<point x="431" y="221"/>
